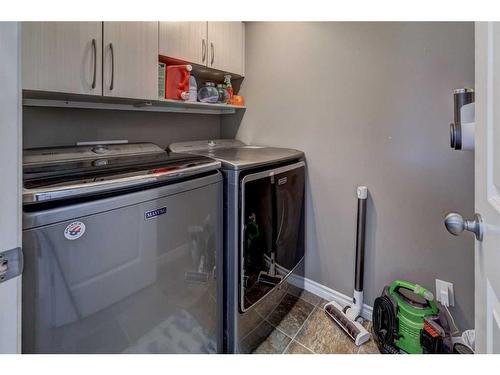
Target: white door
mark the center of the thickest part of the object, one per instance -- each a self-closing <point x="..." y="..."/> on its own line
<point x="130" y="60"/>
<point x="62" y="57"/>
<point x="487" y="187"/>
<point x="10" y="191"/>
<point x="184" y="41"/>
<point x="226" y="49"/>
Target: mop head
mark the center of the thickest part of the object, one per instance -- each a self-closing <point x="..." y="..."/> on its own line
<point x="354" y="329"/>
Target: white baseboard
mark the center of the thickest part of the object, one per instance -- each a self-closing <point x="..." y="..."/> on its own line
<point x="327" y="293"/>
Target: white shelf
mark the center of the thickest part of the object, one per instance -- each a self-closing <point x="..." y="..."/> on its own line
<point x="175" y="106"/>
<point x="225" y="108"/>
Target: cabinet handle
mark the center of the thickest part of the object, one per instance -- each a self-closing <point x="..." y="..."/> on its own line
<point x="112" y="66"/>
<point x="203" y="50"/>
<point x="94" y="48"/>
<point x="213" y="53"/>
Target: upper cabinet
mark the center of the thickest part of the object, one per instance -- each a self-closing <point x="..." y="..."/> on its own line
<point x="218" y="45"/>
<point x="130" y="61"/>
<point x="227" y="46"/>
<point x="62" y="57"/>
<point x="184" y="40"/>
<point x="120" y="59"/>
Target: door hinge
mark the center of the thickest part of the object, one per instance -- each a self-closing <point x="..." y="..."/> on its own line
<point x="11" y="264"/>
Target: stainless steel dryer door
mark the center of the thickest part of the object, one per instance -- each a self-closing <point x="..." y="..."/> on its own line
<point x="272" y="230"/>
<point x="135" y="279"/>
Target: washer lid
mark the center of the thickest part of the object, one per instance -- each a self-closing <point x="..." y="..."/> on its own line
<point x="66" y="154"/>
<point x="203" y="145"/>
<point x="64" y="172"/>
<point x="234" y="154"/>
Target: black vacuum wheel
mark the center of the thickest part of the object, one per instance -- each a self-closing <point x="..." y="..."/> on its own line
<point x="385" y="325"/>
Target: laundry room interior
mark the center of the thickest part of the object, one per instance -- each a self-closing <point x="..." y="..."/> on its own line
<point x="296" y="195"/>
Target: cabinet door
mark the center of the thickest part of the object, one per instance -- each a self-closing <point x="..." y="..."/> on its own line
<point x="185" y="41"/>
<point x="62" y="57"/>
<point x="226" y="50"/>
<point x="130" y="59"/>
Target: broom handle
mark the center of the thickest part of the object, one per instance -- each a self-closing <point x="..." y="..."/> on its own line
<point x="362" y="192"/>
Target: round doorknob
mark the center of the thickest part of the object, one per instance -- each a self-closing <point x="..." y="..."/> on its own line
<point x="456" y="224"/>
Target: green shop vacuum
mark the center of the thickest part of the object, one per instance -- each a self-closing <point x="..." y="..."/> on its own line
<point x="406" y="319"/>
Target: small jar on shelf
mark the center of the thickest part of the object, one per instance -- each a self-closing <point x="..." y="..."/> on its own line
<point x="223" y="94"/>
<point x="208" y="93"/>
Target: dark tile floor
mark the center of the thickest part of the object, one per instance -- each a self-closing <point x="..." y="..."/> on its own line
<point x="299" y="326"/>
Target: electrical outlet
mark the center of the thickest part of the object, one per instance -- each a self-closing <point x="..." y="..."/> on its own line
<point x="443" y="287"/>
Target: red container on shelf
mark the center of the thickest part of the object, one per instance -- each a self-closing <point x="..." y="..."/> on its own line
<point x="177" y="82"/>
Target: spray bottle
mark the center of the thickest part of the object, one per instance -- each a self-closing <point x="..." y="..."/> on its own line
<point x="228" y="86"/>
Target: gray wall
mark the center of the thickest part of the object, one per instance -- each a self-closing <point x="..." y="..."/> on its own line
<point x="370" y="104"/>
<point x="65" y="126"/>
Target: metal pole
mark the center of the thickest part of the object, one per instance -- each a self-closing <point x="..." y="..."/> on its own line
<point x="362" y="192"/>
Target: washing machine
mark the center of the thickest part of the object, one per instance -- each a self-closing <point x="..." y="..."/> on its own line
<point x="122" y="250"/>
<point x="263" y="232"/>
